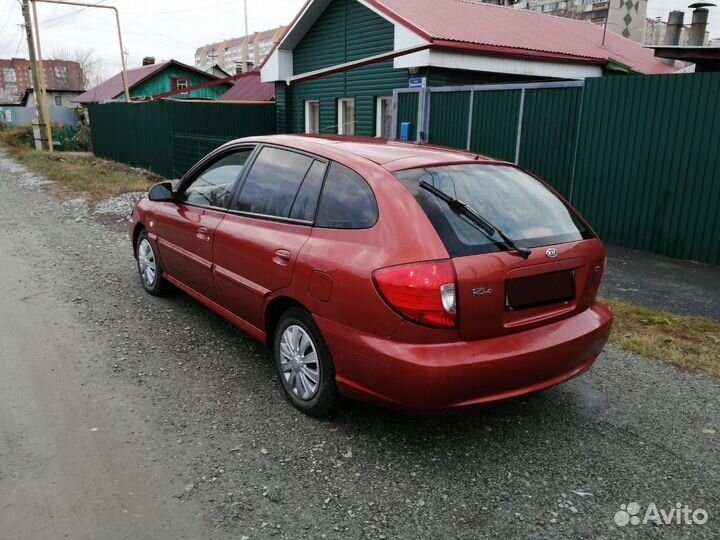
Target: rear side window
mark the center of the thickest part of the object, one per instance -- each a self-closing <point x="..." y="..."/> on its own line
<point x="273" y="182"/>
<point x="510" y="199"/>
<point x="347" y="201"/>
<point x="306" y="200"/>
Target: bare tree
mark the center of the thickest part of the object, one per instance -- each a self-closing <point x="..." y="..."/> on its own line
<point x="92" y="67"/>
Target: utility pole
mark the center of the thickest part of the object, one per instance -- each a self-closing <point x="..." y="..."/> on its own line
<point x="607" y="15"/>
<point x="42" y="141"/>
<point x="43" y="79"/>
<point x="245" y="48"/>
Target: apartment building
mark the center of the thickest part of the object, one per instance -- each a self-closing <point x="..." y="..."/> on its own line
<point x="239" y="55"/>
<point x="64" y="81"/>
<point x="628" y="19"/>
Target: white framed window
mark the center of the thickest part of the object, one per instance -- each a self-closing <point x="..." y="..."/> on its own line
<point x="312" y="116"/>
<point x="383" y="117"/>
<point x="346" y="116"/>
<point x="182" y="84"/>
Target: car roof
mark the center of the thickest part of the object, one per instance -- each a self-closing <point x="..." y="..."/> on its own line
<point x="391" y="155"/>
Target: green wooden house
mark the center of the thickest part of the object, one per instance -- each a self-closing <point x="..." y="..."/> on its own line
<point x="338" y="64"/>
<point x="155" y="79"/>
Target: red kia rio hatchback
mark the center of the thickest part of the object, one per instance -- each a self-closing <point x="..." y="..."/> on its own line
<point x="402" y="275"/>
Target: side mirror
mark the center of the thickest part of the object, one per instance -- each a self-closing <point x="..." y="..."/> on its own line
<point x="162" y="192"/>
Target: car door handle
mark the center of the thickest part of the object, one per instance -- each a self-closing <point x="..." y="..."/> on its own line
<point x="282" y="257"/>
<point x="203" y="234"/>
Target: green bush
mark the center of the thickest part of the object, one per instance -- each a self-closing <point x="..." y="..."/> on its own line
<point x="73" y="138"/>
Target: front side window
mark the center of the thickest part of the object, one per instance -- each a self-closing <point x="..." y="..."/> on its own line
<point x="312" y="116"/>
<point x="273" y="183"/>
<point x="213" y="186"/>
<point x="347" y="202"/>
<point x="510" y="199"/>
<point x="58" y="100"/>
<point x="346" y="116"/>
<point x="383" y="126"/>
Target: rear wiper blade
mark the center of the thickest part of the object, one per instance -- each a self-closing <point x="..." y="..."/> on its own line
<point x="483" y="224"/>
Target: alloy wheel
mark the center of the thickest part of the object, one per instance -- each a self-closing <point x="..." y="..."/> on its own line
<point x="146" y="263"/>
<point x="299" y="362"/>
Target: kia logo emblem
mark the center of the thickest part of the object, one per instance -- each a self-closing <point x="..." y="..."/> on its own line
<point x="552" y="253"/>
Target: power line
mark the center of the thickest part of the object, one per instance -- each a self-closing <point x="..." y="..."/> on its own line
<point x="22" y="35"/>
<point x="170" y="12"/>
<point x="67" y="15"/>
<point x="142" y="31"/>
<point x="7" y="14"/>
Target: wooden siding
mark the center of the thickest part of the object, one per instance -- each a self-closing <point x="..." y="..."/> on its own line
<point x="162" y="82"/>
<point x="345" y="32"/>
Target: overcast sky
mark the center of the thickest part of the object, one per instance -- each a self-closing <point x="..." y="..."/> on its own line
<point x="175" y="28"/>
<point x="161" y="28"/>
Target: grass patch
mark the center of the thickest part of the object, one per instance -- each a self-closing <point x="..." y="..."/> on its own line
<point x="84" y="175"/>
<point x="691" y="343"/>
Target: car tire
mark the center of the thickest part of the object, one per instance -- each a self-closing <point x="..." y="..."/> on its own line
<point x="308" y="382"/>
<point x="148" y="264"/>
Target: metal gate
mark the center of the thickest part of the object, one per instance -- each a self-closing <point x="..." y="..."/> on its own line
<point x="637" y="155"/>
<point x="531" y="124"/>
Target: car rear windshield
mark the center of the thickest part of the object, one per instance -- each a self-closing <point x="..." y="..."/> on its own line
<point x="508" y="198"/>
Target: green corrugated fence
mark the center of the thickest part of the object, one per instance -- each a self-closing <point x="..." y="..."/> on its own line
<point x="168" y="137"/>
<point x="648" y="167"/>
<point x="637" y="155"/>
<point x="549" y="134"/>
<point x="494" y="123"/>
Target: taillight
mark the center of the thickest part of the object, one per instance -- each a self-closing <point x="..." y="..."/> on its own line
<point x="422" y="292"/>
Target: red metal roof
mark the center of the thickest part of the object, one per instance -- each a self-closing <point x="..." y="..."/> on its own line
<point x="489" y="29"/>
<point x="249" y="88"/>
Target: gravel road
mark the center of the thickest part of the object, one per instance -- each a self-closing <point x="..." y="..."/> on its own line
<point x="127" y="416"/>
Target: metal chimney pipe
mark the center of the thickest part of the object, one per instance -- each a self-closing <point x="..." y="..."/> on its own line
<point x="696" y="36"/>
<point x="672" y="32"/>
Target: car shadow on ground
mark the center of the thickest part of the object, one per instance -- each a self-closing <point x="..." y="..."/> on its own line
<point x="583" y="441"/>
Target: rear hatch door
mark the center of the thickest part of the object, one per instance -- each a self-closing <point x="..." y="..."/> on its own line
<point x="502" y="293"/>
<point x="499" y="290"/>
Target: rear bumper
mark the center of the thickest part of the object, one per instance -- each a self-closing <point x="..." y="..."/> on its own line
<point x="434" y="377"/>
